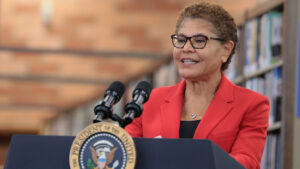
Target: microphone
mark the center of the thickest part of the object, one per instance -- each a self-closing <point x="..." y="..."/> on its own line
<point x="134" y="108"/>
<point x="112" y="95"/>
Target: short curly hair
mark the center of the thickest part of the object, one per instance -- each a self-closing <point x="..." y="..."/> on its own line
<point x="222" y="21"/>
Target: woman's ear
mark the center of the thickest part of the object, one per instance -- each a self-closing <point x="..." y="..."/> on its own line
<point x="228" y="46"/>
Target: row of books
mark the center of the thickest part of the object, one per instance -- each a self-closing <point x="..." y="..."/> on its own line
<point x="271" y="155"/>
<point x="270" y="85"/>
<point x="263" y="39"/>
<point x="232" y="71"/>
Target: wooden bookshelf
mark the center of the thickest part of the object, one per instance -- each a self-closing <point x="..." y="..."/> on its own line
<point x="290" y="123"/>
<point x="240" y="19"/>
<point x="264" y="70"/>
<point x="242" y="78"/>
<point x="274" y="127"/>
<point x="262" y="7"/>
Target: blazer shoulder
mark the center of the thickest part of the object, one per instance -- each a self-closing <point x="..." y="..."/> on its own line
<point x="249" y="94"/>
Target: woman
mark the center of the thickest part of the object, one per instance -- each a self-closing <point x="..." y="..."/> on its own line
<point x="206" y="105"/>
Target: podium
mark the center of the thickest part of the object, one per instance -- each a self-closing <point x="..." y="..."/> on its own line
<point x="52" y="152"/>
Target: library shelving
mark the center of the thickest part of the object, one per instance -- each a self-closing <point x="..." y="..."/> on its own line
<point x="266" y="62"/>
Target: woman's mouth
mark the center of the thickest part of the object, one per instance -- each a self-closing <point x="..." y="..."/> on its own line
<point x="189" y="61"/>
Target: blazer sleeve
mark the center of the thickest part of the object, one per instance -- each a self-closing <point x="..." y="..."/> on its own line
<point x="249" y="144"/>
<point x="141" y="126"/>
<point x="135" y="128"/>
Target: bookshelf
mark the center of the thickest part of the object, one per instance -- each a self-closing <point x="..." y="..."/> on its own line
<point x="274" y="127"/>
<point x="281" y="149"/>
<point x="241" y="78"/>
<point x="261" y="67"/>
<point x="290" y="122"/>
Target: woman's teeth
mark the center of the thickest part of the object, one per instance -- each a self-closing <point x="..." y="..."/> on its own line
<point x="189" y="61"/>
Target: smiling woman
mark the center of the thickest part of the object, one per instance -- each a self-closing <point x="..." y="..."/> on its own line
<point x="207" y="54"/>
<point x="206" y="105"/>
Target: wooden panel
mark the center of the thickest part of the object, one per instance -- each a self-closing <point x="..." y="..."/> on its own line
<point x="4" y="143"/>
<point x="262" y="7"/>
<point x="56" y="95"/>
<point x="3" y="152"/>
<point x="240" y="19"/>
<point x="24" y="121"/>
<point x="70" y="66"/>
<point x="289" y="86"/>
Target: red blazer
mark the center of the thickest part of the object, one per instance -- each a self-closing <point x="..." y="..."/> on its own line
<point x="236" y="120"/>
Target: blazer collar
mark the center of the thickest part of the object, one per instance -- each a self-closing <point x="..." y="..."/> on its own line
<point x="171" y="111"/>
<point x="225" y="90"/>
<point x="217" y="110"/>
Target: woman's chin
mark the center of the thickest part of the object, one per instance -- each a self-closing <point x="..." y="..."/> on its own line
<point x="189" y="76"/>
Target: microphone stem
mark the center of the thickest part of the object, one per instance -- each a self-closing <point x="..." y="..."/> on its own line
<point x="98" y="118"/>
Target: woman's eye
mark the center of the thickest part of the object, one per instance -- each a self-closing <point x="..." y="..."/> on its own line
<point x="199" y="40"/>
<point x="181" y="40"/>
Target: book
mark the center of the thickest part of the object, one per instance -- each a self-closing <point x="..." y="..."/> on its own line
<point x="271" y="155"/>
<point x="251" y="64"/>
<point x="270" y="38"/>
<point x="270" y="85"/>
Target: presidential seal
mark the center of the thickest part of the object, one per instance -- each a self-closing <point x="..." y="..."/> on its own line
<point x="103" y="146"/>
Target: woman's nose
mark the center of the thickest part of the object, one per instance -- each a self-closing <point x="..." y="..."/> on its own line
<point x="188" y="46"/>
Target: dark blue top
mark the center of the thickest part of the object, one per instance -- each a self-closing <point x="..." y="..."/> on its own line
<point x="188" y="128"/>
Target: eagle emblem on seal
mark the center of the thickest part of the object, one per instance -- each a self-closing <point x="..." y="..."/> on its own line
<point x="103" y="153"/>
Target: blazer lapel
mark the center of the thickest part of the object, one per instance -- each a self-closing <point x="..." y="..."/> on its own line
<point x="217" y="110"/>
<point x="171" y="112"/>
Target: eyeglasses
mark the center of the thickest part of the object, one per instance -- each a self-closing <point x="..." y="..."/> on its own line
<point x="197" y="41"/>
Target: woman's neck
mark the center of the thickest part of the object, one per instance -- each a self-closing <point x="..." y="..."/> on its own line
<point x="198" y="96"/>
<point x="204" y="88"/>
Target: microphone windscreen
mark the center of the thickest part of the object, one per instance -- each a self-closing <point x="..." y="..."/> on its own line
<point x="118" y="87"/>
<point x="146" y="87"/>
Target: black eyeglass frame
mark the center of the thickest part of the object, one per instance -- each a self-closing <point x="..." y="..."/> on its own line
<point x="190" y="37"/>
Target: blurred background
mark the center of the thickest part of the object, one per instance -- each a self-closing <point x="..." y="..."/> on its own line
<point x="57" y="57"/>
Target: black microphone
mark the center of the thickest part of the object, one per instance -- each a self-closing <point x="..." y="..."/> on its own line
<point x="134" y="108"/>
<point x="112" y="95"/>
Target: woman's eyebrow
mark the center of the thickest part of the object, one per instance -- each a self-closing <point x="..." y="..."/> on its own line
<point x="198" y="34"/>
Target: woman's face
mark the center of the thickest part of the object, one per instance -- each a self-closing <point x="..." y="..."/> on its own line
<point x="196" y="64"/>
